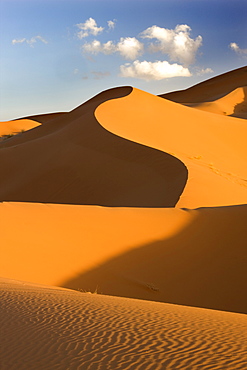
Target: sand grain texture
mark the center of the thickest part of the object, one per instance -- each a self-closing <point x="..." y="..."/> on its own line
<point x="45" y="328"/>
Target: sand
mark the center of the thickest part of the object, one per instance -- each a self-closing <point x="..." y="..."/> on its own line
<point x="16" y="127"/>
<point x="51" y="328"/>
<point x="141" y="200"/>
<point x="190" y="257"/>
<point x="211" y="89"/>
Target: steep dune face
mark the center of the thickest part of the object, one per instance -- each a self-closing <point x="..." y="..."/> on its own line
<point x="212" y="147"/>
<point x="74" y="160"/>
<point x="47" y="328"/>
<point x="211" y="89"/>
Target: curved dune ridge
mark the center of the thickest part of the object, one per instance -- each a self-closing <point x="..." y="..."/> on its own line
<point x="74" y="160"/>
<point x="212" y="147"/>
<point x="48" y="328"/>
<point x="128" y="195"/>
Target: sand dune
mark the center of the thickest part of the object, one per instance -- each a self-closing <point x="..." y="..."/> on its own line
<point x="47" y="328"/>
<point x="233" y="104"/>
<point x="211" y="89"/>
<point x="193" y="257"/>
<point x="128" y="195"/>
<point x="74" y="160"/>
<point x="17" y="126"/>
<point x="212" y="147"/>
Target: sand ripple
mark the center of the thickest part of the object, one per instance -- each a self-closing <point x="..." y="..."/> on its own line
<point x="46" y="328"/>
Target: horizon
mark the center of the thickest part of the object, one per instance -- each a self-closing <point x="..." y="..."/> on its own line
<point x="60" y="53"/>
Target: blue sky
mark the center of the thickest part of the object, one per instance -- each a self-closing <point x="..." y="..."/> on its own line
<point x="56" y="54"/>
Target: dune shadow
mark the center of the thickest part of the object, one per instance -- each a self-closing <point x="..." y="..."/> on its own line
<point x="75" y="160"/>
<point x="203" y="265"/>
<point x="240" y="110"/>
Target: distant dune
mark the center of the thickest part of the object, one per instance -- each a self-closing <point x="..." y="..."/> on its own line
<point x="128" y="195"/>
<point x="211" y="89"/>
<point x="15" y="127"/>
<point x="233" y="104"/>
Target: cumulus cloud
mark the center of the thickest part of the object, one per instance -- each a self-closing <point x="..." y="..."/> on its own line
<point x="153" y="71"/>
<point x="31" y="41"/>
<point x="237" y="49"/>
<point x="87" y="28"/>
<point x="176" y="43"/>
<point x="128" y="47"/>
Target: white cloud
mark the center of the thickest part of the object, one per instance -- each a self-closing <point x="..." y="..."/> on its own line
<point x="31" y="41"/>
<point x="111" y="24"/>
<point x="128" y="48"/>
<point x="89" y="27"/>
<point x="203" y="71"/>
<point x="93" y="47"/>
<point x="19" y="41"/>
<point x="153" y="71"/>
<point x="237" y="49"/>
<point x="174" y="42"/>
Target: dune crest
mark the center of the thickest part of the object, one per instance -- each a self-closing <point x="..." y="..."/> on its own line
<point x="212" y="147"/>
<point x="74" y="160"/>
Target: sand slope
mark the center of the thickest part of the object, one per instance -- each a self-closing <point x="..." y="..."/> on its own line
<point x="212" y="147"/>
<point x="47" y="328"/>
<point x="17" y="126"/>
<point x="211" y="89"/>
<point x="233" y="104"/>
<point x="196" y="257"/>
<point x="74" y="160"/>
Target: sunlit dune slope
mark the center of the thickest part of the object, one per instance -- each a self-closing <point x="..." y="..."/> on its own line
<point x="233" y="104"/>
<point x="211" y="89"/>
<point x="17" y="126"/>
<point x="213" y="147"/>
<point x="194" y="257"/>
<point x="74" y="160"/>
<point x="48" y="328"/>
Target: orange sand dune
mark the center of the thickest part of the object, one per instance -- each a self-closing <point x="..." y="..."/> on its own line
<point x="51" y="328"/>
<point x="193" y="257"/>
<point x="74" y="160"/>
<point x="212" y="147"/>
<point x="93" y="202"/>
<point x="16" y="126"/>
<point x="233" y="104"/>
<point x="211" y="89"/>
